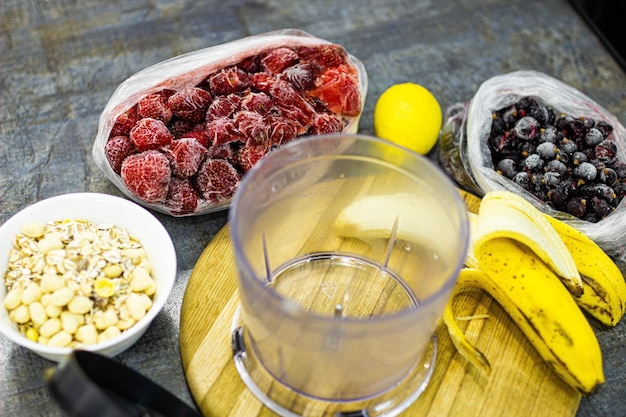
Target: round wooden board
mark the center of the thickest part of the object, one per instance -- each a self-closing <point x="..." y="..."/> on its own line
<point x="520" y="383"/>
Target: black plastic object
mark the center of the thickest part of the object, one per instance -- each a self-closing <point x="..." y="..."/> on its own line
<point x="605" y="18"/>
<point x="90" y="385"/>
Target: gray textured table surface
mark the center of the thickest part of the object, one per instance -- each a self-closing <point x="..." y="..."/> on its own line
<point x="60" y="60"/>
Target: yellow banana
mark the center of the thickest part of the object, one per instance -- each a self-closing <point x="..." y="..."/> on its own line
<point x="604" y="288"/>
<point x="504" y="261"/>
<point x="506" y="214"/>
<point x="542" y="308"/>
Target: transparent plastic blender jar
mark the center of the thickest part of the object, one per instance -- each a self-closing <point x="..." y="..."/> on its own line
<point x="347" y="248"/>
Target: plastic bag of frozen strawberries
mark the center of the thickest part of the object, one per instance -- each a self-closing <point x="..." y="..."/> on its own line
<point x="468" y="149"/>
<point x="177" y="137"/>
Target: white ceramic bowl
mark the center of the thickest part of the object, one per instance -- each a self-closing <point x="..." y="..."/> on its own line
<point x="97" y="208"/>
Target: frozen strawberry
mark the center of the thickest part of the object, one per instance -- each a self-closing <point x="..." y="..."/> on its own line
<point x="257" y="102"/>
<point x="285" y="94"/>
<point x="124" y="122"/>
<point x="116" y="150"/>
<point x="276" y="60"/>
<point x="190" y="103"/>
<point x="147" y="175"/>
<point x="181" y="197"/>
<point x="292" y="105"/>
<point x="185" y="156"/>
<point x="262" y="81"/>
<point x="228" y="80"/>
<point x="154" y="106"/>
<point x="249" y="155"/>
<point x="325" y="56"/>
<point x="179" y="127"/>
<point x="201" y="135"/>
<point x="251" y="64"/>
<point x="182" y="147"/>
<point x="223" y="106"/>
<point x="302" y="76"/>
<point x="221" y="130"/>
<point x="150" y="134"/>
<point x="217" y="180"/>
<point x="338" y="89"/>
<point x="252" y="126"/>
<point x="327" y="123"/>
<point x="223" y="151"/>
<point x="282" y="129"/>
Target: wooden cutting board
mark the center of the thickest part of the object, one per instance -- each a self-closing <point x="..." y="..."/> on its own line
<point x="520" y="383"/>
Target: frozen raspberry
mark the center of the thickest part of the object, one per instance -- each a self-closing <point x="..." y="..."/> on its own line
<point x="185" y="156"/>
<point x="116" y="150"/>
<point x="190" y="103"/>
<point x="257" y="102"/>
<point x="338" y="89"/>
<point x="262" y="81"/>
<point x="217" y="180"/>
<point x="228" y="80"/>
<point x="327" y="123"/>
<point x="276" y="60"/>
<point x="147" y="175"/>
<point x="221" y="130"/>
<point x="150" y="134"/>
<point x="249" y="155"/>
<point x="154" y="106"/>
<point x="124" y="123"/>
<point x="223" y="106"/>
<point x="325" y="56"/>
<point x="302" y="76"/>
<point x="252" y="126"/>
<point x="282" y="129"/>
<point x="181" y="197"/>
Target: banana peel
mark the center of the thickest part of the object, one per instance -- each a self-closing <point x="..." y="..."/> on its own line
<point x="496" y="261"/>
<point x="604" y="287"/>
<point x="542" y="308"/>
<point x="514" y="279"/>
<point x="505" y="214"/>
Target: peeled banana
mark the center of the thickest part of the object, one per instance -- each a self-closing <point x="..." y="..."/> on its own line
<point x="370" y="217"/>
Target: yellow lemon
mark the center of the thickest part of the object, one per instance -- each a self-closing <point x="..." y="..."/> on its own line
<point x="408" y="115"/>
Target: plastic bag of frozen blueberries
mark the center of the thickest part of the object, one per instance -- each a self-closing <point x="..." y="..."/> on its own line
<point x="466" y="156"/>
<point x="175" y="175"/>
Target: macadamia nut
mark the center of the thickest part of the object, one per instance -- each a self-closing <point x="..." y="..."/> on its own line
<point x="71" y="282"/>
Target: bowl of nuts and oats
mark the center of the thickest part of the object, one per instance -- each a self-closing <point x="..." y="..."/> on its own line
<point x="82" y="271"/>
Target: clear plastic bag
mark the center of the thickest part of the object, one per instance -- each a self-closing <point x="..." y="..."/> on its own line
<point x="189" y="70"/>
<point x="465" y="155"/>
